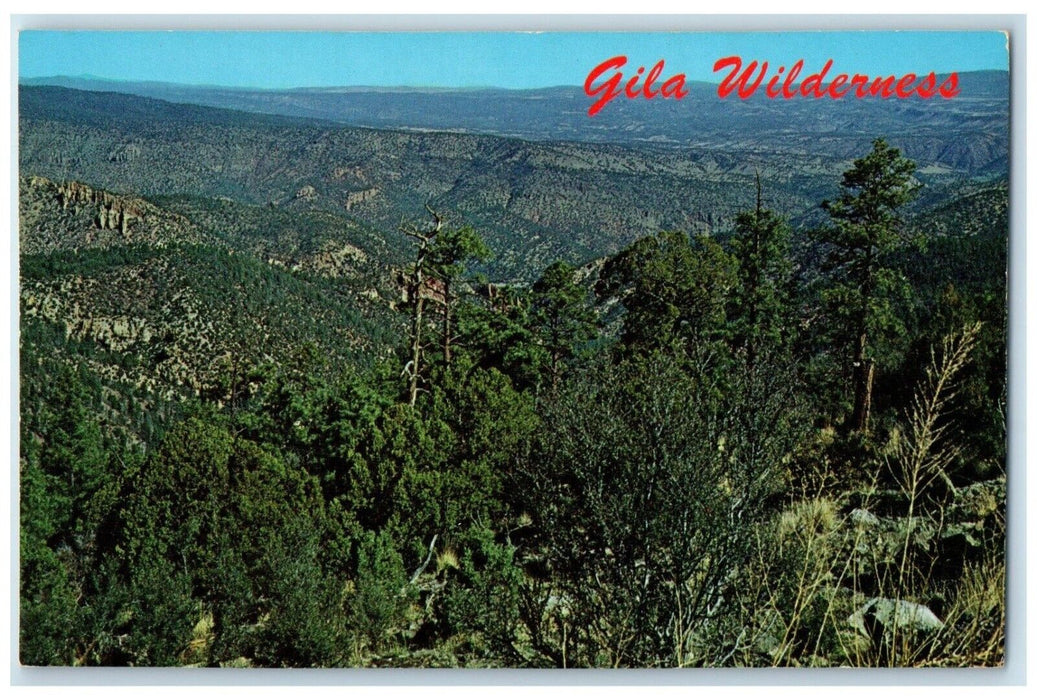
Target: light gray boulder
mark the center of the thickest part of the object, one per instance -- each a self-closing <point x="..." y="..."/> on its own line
<point x="878" y="617"/>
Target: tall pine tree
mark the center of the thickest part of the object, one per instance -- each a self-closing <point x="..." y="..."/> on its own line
<point x="866" y="230"/>
<point x="759" y="318"/>
<point x="561" y="316"/>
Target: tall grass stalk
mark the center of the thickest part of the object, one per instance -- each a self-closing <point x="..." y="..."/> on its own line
<point x="922" y="453"/>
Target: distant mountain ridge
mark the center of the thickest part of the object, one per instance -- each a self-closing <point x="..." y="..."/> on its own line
<point x="560" y="113"/>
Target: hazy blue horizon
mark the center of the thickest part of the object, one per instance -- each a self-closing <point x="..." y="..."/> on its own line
<point x="472" y="60"/>
<point x="350" y="88"/>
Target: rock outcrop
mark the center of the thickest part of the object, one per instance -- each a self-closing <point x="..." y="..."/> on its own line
<point x="359" y="197"/>
<point x="114" y="212"/>
<point x="881" y="618"/>
<point x="355" y="172"/>
<point x="124" y="154"/>
<point x="335" y="260"/>
<point x="307" y="193"/>
<point x="73" y="215"/>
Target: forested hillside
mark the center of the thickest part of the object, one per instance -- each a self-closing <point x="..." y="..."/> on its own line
<point x="583" y="406"/>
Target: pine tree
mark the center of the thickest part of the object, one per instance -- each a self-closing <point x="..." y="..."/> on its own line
<point x="448" y="255"/>
<point x="438" y="268"/>
<point x="560" y="316"/>
<point x="416" y="284"/>
<point x="674" y="289"/>
<point x="866" y="230"/>
<point x="760" y="298"/>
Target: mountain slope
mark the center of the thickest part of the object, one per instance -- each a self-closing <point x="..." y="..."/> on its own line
<point x="178" y="300"/>
<point x="968" y="132"/>
<point x="534" y="202"/>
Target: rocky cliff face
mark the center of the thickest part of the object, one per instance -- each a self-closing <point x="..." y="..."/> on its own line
<point x="74" y="215"/>
<point x="306" y="193"/>
<point x="359" y="197"/>
<point x="334" y="260"/>
<point x="114" y="212"/>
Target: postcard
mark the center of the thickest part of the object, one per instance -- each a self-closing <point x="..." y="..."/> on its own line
<point x="514" y="349"/>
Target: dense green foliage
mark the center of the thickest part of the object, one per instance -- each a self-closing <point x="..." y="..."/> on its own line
<point x="630" y="464"/>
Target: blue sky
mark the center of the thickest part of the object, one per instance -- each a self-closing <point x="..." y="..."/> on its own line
<point x="474" y="59"/>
